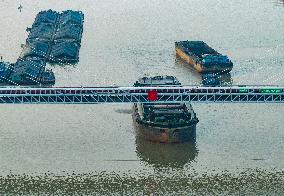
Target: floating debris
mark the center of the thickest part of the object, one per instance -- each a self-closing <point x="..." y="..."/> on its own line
<point x="20" y="8"/>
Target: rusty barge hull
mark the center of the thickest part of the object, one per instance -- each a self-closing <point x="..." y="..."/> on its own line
<point x="163" y="134"/>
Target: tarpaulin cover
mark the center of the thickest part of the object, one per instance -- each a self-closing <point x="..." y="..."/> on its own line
<point x="69" y="31"/>
<point x="36" y="49"/>
<point x="65" y="51"/>
<point x="42" y="31"/>
<point x="71" y="17"/>
<point x="48" y="16"/>
<point x="27" y="71"/>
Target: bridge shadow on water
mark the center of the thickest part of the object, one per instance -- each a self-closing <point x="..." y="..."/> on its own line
<point x="225" y="79"/>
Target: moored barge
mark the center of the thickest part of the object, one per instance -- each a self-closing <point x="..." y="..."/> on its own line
<point x="166" y="123"/>
<point x="202" y="57"/>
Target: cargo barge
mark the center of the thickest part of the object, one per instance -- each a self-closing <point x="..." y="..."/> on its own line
<point x="53" y="38"/>
<point x="29" y="71"/>
<point x="165" y="123"/>
<point x="202" y="57"/>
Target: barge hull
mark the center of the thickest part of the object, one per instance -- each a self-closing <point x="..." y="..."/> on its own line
<point x="202" y="57"/>
<point x="189" y="60"/>
<point x="163" y="135"/>
<point x="175" y="135"/>
<point x="198" y="67"/>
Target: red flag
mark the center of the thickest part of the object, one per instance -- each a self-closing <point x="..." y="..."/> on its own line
<point x="152" y="95"/>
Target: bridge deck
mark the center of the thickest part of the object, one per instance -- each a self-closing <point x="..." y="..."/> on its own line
<point x="165" y="94"/>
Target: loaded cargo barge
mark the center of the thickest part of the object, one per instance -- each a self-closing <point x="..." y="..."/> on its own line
<point x="26" y="72"/>
<point x="56" y="37"/>
<point x="166" y="123"/>
<point x="53" y="38"/>
<point x="202" y="57"/>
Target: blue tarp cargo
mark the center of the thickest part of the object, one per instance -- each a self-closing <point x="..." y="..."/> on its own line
<point x="48" y="16"/>
<point x="65" y="52"/>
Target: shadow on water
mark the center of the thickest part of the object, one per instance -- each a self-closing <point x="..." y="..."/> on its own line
<point x="179" y="63"/>
<point x="161" y="155"/>
<point x="225" y="79"/>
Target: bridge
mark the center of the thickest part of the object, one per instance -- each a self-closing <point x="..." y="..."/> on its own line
<point x="162" y="94"/>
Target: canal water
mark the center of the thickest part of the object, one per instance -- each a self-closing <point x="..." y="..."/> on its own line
<point x="82" y="149"/>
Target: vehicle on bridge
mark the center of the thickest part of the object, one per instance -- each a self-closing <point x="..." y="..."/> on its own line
<point x="166" y="123"/>
<point x="202" y="57"/>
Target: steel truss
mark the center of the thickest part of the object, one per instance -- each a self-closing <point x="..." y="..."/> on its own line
<point x="166" y="94"/>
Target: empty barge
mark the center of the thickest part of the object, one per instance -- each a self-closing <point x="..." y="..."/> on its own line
<point x="202" y="57"/>
<point x="166" y="123"/>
